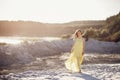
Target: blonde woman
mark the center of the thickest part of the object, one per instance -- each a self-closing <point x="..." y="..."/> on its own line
<point x="76" y="57"/>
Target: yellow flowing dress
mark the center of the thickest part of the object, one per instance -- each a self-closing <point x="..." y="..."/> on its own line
<point x="76" y="57"/>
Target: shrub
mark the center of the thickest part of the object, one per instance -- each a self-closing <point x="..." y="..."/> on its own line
<point x="66" y="36"/>
<point x="115" y="37"/>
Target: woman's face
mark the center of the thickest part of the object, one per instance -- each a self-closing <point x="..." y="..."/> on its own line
<point x="79" y="34"/>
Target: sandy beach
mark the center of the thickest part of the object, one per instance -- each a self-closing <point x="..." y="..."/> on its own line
<point x="52" y="68"/>
<point x="44" y="60"/>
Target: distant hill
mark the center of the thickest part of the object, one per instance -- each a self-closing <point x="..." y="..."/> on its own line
<point x="37" y="29"/>
<point x="86" y="23"/>
<point x="105" y="30"/>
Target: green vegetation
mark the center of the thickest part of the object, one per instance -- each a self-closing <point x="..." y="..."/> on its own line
<point x="66" y="36"/>
<point x="109" y="32"/>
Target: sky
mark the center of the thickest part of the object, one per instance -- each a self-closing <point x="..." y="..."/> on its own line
<point x="58" y="11"/>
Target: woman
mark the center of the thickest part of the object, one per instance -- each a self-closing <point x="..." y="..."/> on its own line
<point x="76" y="57"/>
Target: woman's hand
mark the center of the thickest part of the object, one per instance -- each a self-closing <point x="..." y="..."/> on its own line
<point x="82" y="53"/>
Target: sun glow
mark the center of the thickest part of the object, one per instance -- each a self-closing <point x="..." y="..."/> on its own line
<point x="19" y="40"/>
<point x="10" y="41"/>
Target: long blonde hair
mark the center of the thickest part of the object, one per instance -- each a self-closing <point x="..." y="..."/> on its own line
<point x="75" y="35"/>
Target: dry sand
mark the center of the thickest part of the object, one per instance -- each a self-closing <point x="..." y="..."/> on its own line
<point x="52" y="68"/>
<point x="43" y="59"/>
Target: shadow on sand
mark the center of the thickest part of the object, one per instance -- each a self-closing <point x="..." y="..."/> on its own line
<point x="85" y="76"/>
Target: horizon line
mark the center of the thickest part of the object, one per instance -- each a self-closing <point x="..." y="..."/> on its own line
<point x="53" y="22"/>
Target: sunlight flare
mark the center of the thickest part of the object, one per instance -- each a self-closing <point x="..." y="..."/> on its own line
<point x="10" y="41"/>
